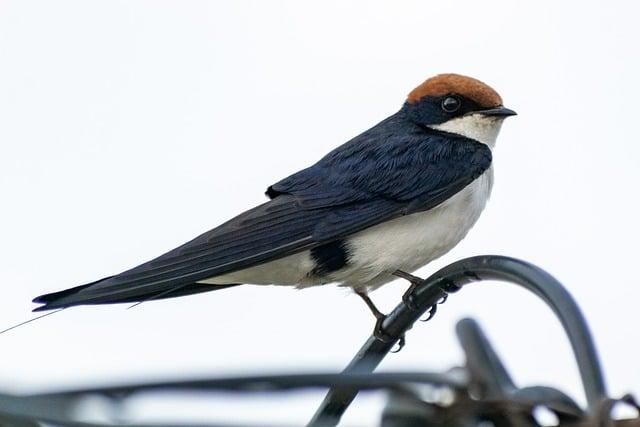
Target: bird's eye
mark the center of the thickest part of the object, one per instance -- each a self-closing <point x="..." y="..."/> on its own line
<point x="451" y="104"/>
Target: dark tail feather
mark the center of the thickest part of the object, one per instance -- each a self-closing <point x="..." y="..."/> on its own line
<point x="55" y="296"/>
<point x="56" y="300"/>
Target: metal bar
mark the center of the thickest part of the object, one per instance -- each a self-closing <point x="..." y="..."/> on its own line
<point x="452" y="278"/>
<point x="485" y="367"/>
<point x="57" y="407"/>
<point x="262" y="384"/>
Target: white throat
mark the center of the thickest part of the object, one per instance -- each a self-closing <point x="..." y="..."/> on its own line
<point x="479" y="127"/>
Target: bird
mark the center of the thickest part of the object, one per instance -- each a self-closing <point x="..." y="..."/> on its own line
<point x="382" y="205"/>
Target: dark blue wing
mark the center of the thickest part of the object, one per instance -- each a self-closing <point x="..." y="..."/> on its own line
<point x="385" y="174"/>
<point x="391" y="170"/>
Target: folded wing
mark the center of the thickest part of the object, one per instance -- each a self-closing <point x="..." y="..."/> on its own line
<point x="356" y="186"/>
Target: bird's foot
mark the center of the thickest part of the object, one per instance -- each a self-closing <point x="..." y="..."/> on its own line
<point x="380" y="334"/>
<point x="401" y="343"/>
<point x="378" y="331"/>
<point x="409" y="299"/>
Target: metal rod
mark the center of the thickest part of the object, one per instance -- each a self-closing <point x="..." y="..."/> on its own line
<point x="261" y="384"/>
<point x="59" y="406"/>
<point x="452" y="278"/>
<point x="484" y="366"/>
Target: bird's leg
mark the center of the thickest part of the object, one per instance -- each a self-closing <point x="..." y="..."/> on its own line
<point x="407" y="297"/>
<point x="378" y="330"/>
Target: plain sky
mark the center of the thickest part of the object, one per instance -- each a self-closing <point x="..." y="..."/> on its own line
<point x="127" y="128"/>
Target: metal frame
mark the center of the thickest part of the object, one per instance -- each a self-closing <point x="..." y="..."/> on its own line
<point x="485" y="390"/>
<point x="451" y="279"/>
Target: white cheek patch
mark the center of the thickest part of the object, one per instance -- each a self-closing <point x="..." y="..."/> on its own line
<point x="481" y="128"/>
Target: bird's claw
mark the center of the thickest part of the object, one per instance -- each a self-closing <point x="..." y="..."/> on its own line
<point x="408" y="297"/>
<point x="408" y="301"/>
<point x="434" y="308"/>
<point x="378" y="331"/>
<point x="430" y="313"/>
<point x="380" y="334"/>
<point x="401" y="343"/>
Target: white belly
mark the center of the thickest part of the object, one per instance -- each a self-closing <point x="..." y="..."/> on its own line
<point x="410" y="242"/>
<point x="406" y="243"/>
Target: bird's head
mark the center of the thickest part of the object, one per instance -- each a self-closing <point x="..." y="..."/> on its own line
<point x="460" y="105"/>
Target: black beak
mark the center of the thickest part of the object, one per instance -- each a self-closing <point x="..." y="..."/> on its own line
<point x="498" y="111"/>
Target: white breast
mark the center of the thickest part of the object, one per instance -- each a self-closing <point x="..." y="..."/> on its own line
<point x="408" y="243"/>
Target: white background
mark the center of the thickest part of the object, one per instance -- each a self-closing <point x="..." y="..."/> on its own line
<point x="127" y="128"/>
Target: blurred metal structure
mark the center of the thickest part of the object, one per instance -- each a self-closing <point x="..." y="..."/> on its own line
<point x="481" y="393"/>
<point x="451" y="279"/>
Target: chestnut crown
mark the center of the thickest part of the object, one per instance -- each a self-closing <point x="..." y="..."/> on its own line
<point x="449" y="96"/>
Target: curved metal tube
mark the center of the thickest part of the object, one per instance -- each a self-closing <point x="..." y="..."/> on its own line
<point x="451" y="279"/>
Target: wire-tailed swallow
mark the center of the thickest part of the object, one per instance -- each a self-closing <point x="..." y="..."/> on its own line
<point x="392" y="199"/>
